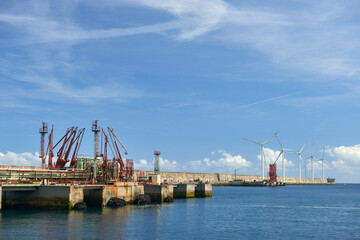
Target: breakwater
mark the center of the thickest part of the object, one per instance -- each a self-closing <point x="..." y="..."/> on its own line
<point x="217" y="178"/>
<point x="16" y="173"/>
<point x="65" y="196"/>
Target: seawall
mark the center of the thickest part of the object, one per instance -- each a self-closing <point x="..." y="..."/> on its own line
<point x="221" y="178"/>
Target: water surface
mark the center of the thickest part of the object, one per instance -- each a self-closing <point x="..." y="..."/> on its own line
<point x="291" y="212"/>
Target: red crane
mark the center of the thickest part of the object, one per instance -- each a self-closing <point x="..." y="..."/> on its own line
<point x="112" y="141"/>
<point x="78" y="141"/>
<point x="118" y="158"/>
<point x="129" y="169"/>
<point x="71" y="137"/>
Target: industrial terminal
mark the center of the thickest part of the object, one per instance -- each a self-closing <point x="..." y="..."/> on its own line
<point x="66" y="180"/>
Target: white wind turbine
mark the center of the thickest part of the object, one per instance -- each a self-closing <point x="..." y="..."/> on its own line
<point x="262" y="153"/>
<point x="322" y="164"/>
<point x="282" y="153"/>
<point x="301" y="160"/>
<point x="313" y="159"/>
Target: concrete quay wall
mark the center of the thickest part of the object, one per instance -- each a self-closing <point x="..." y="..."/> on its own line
<point x="124" y="190"/>
<point x="218" y="178"/>
<point x="41" y="196"/>
<point x="65" y="196"/>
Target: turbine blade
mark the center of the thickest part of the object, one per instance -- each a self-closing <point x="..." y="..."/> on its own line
<point x="252" y="141"/>
<point x="279" y="156"/>
<point x="279" y="141"/>
<point x="303" y="147"/>
<point x="268" y="139"/>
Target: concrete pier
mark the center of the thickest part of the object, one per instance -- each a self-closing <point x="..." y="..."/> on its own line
<point x="158" y="193"/>
<point x="17" y="196"/>
<point x="66" y="196"/>
<point x="124" y="190"/>
<point x="184" y="190"/>
<point x="203" y="190"/>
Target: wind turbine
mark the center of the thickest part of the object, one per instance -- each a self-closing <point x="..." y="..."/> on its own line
<point x="282" y="153"/>
<point x="312" y="163"/>
<point x="301" y="160"/>
<point x="262" y="153"/>
<point x="322" y="164"/>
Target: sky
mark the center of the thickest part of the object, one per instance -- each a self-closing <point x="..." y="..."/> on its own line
<point x="189" y="78"/>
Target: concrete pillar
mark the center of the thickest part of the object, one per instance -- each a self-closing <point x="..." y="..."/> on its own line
<point x="109" y="191"/>
<point x="76" y="195"/>
<point x="203" y="190"/>
<point x="158" y="193"/>
<point x="184" y="190"/>
<point x="129" y="191"/>
<point x="124" y="190"/>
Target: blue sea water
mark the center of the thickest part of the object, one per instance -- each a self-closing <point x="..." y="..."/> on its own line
<point x="290" y="212"/>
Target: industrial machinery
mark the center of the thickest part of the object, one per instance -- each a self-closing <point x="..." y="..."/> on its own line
<point x="105" y="167"/>
<point x="272" y="173"/>
<point x="72" y="138"/>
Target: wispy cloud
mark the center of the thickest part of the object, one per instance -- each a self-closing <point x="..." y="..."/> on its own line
<point x="312" y="40"/>
<point x="260" y="102"/>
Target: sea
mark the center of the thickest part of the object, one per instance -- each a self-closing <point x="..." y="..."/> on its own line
<point x="290" y="212"/>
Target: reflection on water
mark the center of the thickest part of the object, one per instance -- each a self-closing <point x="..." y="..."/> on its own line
<point x="294" y="212"/>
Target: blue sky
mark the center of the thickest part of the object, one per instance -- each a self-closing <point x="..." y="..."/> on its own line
<point x="190" y="78"/>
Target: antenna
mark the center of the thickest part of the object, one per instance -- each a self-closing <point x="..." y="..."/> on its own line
<point x="262" y="153"/>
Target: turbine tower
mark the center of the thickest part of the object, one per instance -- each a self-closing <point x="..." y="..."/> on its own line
<point x="313" y="159"/>
<point x="322" y="164"/>
<point x="282" y="154"/>
<point x="262" y="154"/>
<point x="300" y="160"/>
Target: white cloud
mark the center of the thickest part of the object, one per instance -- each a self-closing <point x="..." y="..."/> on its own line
<point x="26" y="158"/>
<point x="271" y="156"/>
<point x="346" y="158"/>
<point x="225" y="163"/>
<point x="165" y="165"/>
<point x="143" y="165"/>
